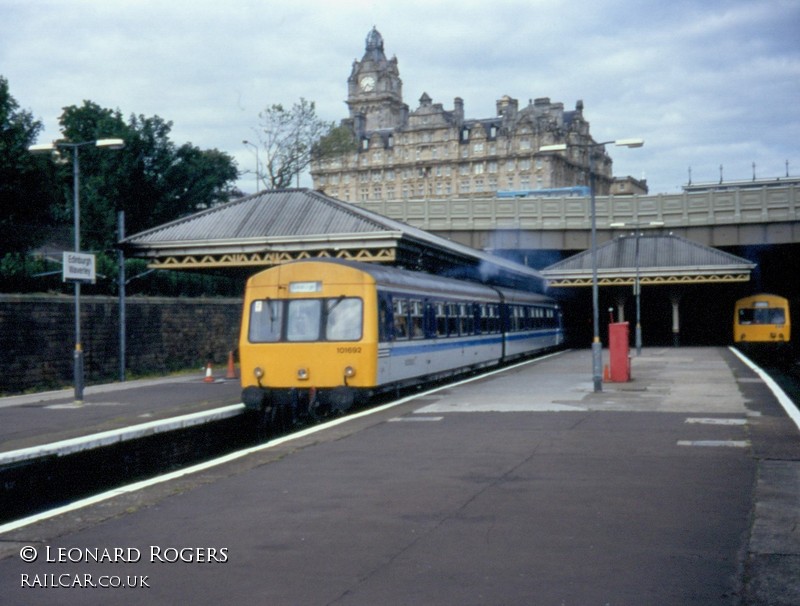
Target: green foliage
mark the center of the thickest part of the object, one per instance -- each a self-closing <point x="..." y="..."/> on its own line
<point x="26" y="181"/>
<point x="27" y="273"/>
<point x="152" y="179"/>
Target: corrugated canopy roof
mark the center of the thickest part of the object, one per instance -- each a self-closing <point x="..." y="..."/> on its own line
<point x="276" y="226"/>
<point x="661" y="259"/>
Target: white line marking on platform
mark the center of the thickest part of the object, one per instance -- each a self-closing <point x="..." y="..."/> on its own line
<point x="510" y="407"/>
<point x="404" y="419"/>
<point x="104" y="438"/>
<point x="716" y="443"/>
<point x="709" y="421"/>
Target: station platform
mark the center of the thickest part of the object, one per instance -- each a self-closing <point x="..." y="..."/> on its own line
<point x="30" y="421"/>
<point x="521" y="487"/>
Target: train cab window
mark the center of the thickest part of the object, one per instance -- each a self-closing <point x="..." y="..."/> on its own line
<point x="344" y="319"/>
<point x="762" y="315"/>
<point x="441" y="320"/>
<point x="417" y="328"/>
<point x="303" y="319"/>
<point x="401" y="319"/>
<point x="266" y="319"/>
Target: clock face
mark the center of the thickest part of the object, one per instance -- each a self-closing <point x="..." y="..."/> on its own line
<point x="367" y="83"/>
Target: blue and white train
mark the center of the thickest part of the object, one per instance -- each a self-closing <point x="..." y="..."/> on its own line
<point x="318" y="336"/>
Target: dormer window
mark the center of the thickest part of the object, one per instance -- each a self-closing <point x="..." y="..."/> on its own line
<point x="364" y="143"/>
<point x="465" y="134"/>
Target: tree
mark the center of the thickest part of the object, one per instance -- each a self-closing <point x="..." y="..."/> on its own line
<point x="25" y="181"/>
<point x="289" y="138"/>
<point x="152" y="179"/>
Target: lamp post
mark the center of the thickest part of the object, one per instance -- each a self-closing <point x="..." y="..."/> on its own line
<point x="637" y="284"/>
<point x="597" y="346"/>
<point x="258" y="164"/>
<point x="78" y="374"/>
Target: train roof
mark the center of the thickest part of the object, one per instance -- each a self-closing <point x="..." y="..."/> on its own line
<point x="413" y="281"/>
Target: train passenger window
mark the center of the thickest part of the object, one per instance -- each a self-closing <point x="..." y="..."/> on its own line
<point x="452" y="319"/>
<point x="266" y="318"/>
<point x="384" y="318"/>
<point x="303" y="319"/>
<point x="344" y="322"/>
<point x="441" y="320"/>
<point x="466" y="319"/>
<point x="417" y="329"/>
<point x="494" y="319"/>
<point x="400" y="319"/>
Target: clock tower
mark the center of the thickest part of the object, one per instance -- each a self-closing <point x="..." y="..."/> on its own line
<point x="374" y="89"/>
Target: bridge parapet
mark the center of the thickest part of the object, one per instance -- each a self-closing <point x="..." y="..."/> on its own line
<point x="711" y="208"/>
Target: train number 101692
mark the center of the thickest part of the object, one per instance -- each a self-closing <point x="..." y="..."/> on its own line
<point x="348" y="350"/>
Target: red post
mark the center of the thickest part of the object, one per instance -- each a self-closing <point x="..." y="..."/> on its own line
<point x="619" y="352"/>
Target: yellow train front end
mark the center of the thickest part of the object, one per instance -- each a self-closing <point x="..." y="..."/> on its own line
<point x="762" y="320"/>
<point x="309" y="340"/>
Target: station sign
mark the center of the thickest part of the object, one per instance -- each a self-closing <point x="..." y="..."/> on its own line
<point x="79" y="267"/>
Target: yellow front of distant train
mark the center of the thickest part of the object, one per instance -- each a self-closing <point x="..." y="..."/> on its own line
<point x="762" y="319"/>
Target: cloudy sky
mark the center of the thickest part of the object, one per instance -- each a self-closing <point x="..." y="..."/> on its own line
<point x="704" y="83"/>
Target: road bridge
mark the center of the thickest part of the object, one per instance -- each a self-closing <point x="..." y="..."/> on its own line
<point x="719" y="218"/>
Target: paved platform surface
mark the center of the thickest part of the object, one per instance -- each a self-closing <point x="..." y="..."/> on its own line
<point x="520" y="488"/>
<point x="41" y="418"/>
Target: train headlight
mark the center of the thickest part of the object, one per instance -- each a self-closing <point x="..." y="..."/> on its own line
<point x="302" y="374"/>
<point x="349" y="372"/>
<point x="259" y="374"/>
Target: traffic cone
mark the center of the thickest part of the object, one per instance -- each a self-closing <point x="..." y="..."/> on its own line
<point x="606" y="374"/>
<point x="209" y="377"/>
<point x="231" y="369"/>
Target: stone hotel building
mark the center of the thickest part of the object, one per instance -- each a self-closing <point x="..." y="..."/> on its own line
<point x="434" y="153"/>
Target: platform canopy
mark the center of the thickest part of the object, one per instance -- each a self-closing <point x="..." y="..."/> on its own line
<point x="657" y="259"/>
<point x="278" y="226"/>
